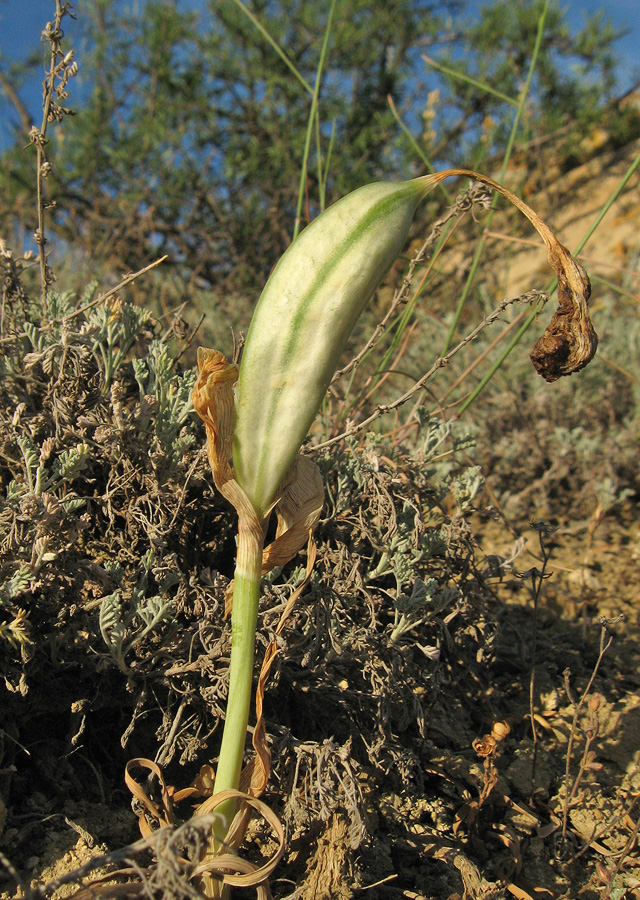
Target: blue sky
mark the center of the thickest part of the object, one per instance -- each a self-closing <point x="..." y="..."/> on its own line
<point x="22" y="21"/>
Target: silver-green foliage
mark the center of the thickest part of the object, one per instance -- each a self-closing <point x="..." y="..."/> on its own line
<point x="108" y="329"/>
<point x="408" y="529"/>
<point x="94" y="413"/>
<point x="427" y="600"/>
<point x="123" y="624"/>
<point x="41" y="477"/>
<point x="165" y="400"/>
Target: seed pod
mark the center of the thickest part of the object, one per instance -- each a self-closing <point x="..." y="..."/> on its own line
<point x="302" y="321"/>
<point x="316" y="294"/>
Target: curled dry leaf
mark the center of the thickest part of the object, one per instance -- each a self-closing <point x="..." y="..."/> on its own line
<point x="248" y="875"/>
<point x="213" y="399"/>
<point x="485" y="746"/>
<point x="569" y="342"/>
<point x="299" y="499"/>
<point x="298" y="510"/>
<point x="152" y="813"/>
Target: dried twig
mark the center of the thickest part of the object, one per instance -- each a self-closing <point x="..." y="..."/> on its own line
<point x="382" y="409"/>
<point x="537" y="577"/>
<point x="570" y="789"/>
<point x="475" y="194"/>
<point x="61" y="68"/>
<point x="110" y="293"/>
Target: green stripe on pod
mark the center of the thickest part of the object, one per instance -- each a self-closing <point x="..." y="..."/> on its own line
<point x="302" y="322"/>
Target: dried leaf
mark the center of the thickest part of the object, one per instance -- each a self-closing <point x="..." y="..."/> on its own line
<point x="161" y="813"/>
<point x="250" y="875"/>
<point x="214" y="401"/>
<point x="569" y="342"/>
<point x="530" y="892"/>
<point x="298" y="510"/>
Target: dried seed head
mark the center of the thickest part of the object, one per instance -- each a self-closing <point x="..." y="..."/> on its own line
<point x="485" y="746"/>
<point x="500" y="730"/>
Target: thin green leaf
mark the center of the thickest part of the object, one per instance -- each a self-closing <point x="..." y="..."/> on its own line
<point x="283" y="56"/>
<point x="507" y="157"/>
<point x="474" y="81"/>
<point x="313" y="118"/>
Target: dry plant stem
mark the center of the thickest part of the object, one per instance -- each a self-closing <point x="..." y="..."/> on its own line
<point x="624" y="854"/>
<point x="420" y="384"/>
<point x="38" y="137"/>
<point x="476" y="362"/>
<point x="607" y="828"/>
<point x="110" y="293"/>
<point x="167" y="845"/>
<point x="577" y="708"/>
<point x="537" y="577"/>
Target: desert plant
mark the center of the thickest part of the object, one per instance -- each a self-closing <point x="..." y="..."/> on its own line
<point x="301" y="324"/>
<point x="145" y="401"/>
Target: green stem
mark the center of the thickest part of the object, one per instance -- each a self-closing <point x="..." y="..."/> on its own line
<point x="283" y="56"/>
<point x="244" y="617"/>
<point x="313" y="119"/>
<point x="246" y="593"/>
<point x="460" y="76"/>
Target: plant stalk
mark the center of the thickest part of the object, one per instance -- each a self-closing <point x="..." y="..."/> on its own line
<point x="246" y="593"/>
<point x="244" y="616"/>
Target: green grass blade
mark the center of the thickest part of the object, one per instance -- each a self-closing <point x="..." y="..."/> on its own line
<point x="283" y="56"/>
<point x="612" y="199"/>
<point x="313" y="119"/>
<point x="598" y="279"/>
<point x="469" y="80"/>
<point x="507" y="157"/>
<point x="324" y="175"/>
